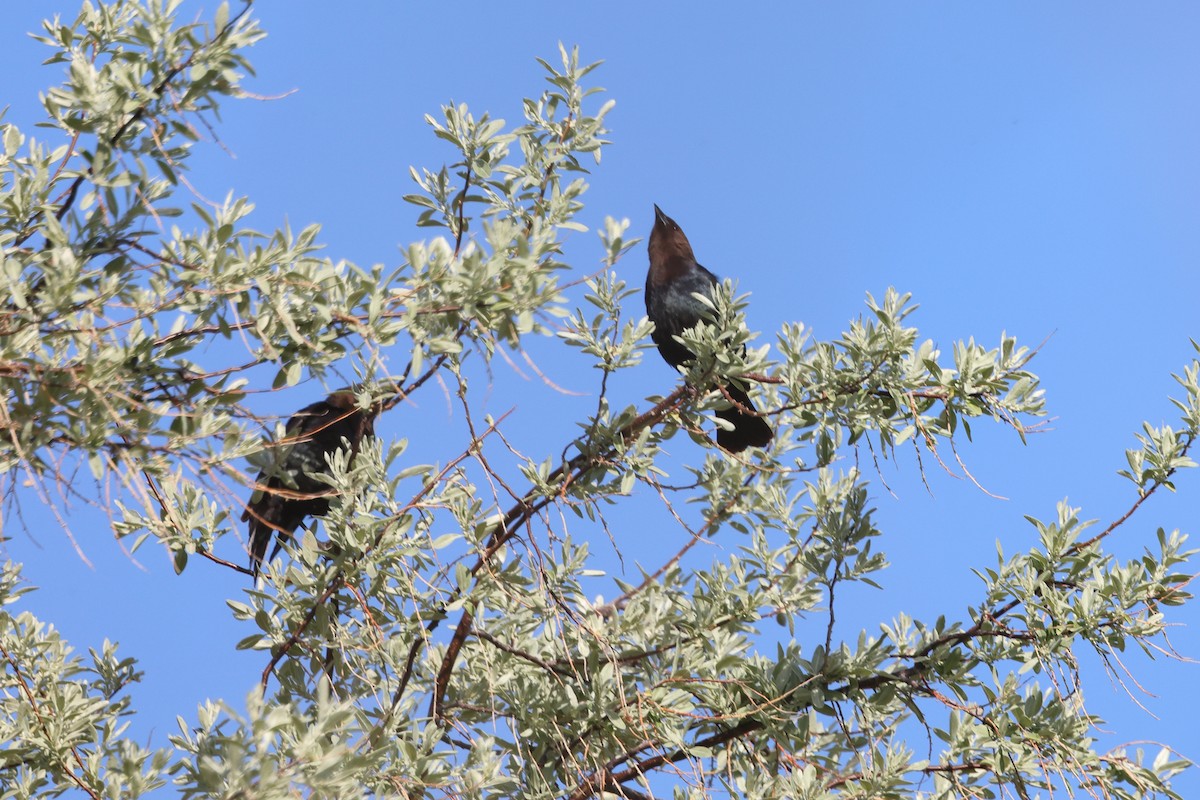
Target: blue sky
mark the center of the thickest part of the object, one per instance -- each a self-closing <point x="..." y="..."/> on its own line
<point x="1017" y="167"/>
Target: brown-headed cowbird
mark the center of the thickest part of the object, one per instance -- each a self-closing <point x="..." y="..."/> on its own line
<point x="671" y="285"/>
<point x="287" y="493"/>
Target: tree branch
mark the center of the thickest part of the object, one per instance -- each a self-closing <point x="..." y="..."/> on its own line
<point x="524" y="510"/>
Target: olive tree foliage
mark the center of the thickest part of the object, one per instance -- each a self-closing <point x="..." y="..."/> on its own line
<point x="455" y="636"/>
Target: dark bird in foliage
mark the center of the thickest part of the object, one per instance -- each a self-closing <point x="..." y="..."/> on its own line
<point x="287" y="493"/>
<point x="671" y="285"/>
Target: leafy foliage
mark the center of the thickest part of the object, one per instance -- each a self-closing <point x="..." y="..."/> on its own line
<point x="451" y="642"/>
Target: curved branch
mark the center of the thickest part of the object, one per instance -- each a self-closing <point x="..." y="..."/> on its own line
<point x="516" y="518"/>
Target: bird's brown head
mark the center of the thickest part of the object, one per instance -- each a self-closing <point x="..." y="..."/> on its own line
<point x="343" y="399"/>
<point x="385" y="392"/>
<point x="667" y="240"/>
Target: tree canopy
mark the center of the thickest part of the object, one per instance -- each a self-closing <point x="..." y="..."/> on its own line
<point x="449" y="629"/>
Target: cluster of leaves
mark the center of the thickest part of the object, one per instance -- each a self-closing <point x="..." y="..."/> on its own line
<point x="451" y="642"/>
<point x="61" y="716"/>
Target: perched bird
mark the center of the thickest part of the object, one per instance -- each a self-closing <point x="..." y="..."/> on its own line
<point x="287" y="493"/>
<point x="673" y="280"/>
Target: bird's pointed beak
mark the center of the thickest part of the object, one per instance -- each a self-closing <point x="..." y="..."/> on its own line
<point x="659" y="217"/>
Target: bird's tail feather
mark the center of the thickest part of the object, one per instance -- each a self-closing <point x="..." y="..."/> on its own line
<point x="748" y="430"/>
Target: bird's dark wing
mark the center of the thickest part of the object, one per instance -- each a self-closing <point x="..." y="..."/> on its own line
<point x="673" y="307"/>
<point x="285" y="494"/>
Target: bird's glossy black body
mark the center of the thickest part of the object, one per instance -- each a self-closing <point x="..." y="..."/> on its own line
<point x="675" y="277"/>
<point x="288" y="493"/>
